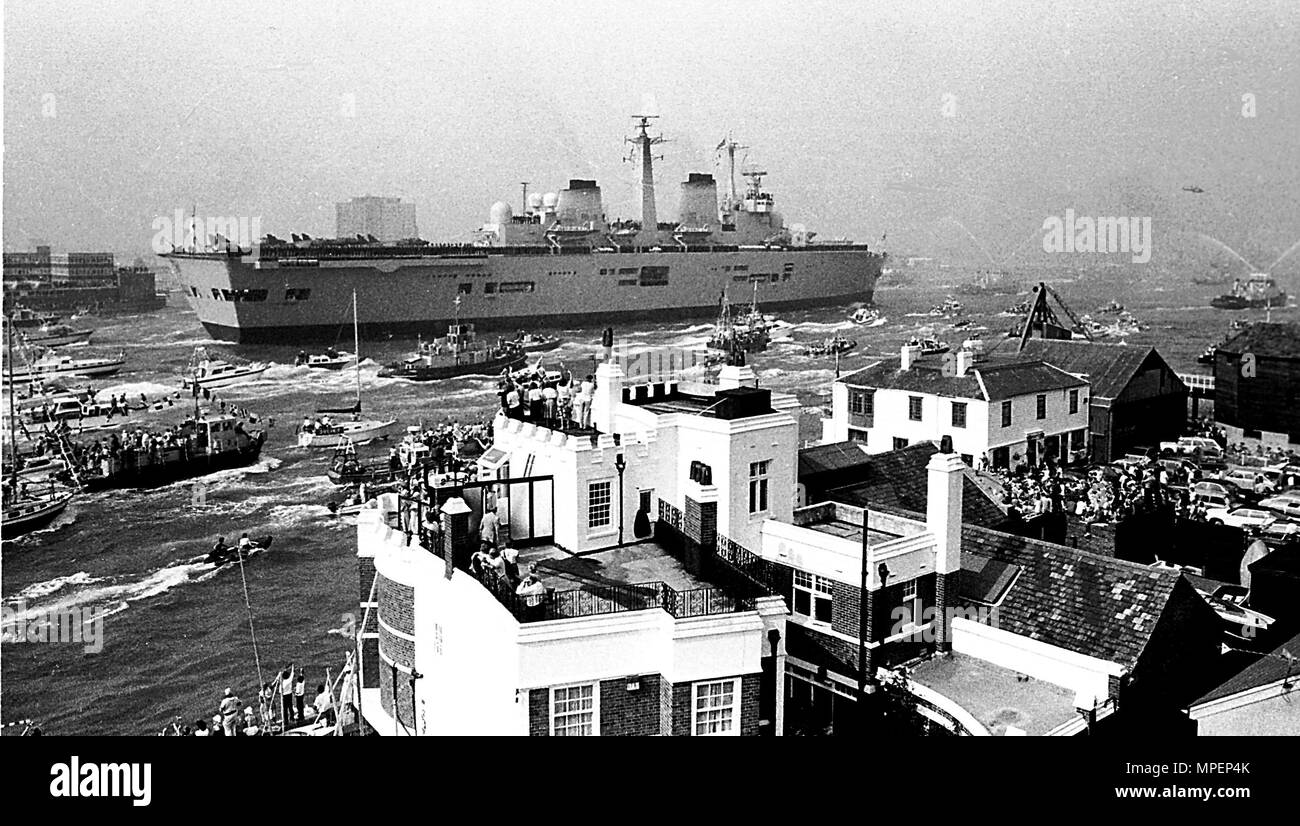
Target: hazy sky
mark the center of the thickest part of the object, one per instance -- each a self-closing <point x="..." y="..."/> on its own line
<point x="926" y="121"/>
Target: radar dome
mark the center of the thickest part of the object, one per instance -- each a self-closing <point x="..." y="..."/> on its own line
<point x="550" y="199"/>
<point x="500" y="213"/>
<point x="534" y="201"/>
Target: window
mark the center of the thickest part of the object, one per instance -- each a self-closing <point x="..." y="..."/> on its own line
<point x="911" y="600"/>
<point x="914" y="408"/>
<point x="714" y="711"/>
<point x="516" y="287"/>
<point x="1074" y="401"/>
<point x="654" y="276"/>
<point x="856" y="435"/>
<point x="862" y="402"/>
<point x="598" y="505"/>
<point x="465" y="289"/>
<point x="297" y="294"/>
<point x="216" y="293"/>
<point x="1077" y="438"/>
<point x="490" y="287"/>
<point x="812" y="596"/>
<point x="574" y="712"/>
<point x="1006" y="414"/>
<point x="899" y="443"/>
<point x="969" y="459"/>
<point x="758" y="486"/>
<point x="959" y="414"/>
<point x="1042" y="406"/>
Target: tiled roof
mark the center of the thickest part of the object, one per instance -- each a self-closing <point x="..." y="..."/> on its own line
<point x="989" y="381"/>
<point x="898" y="479"/>
<point x="1273" y="340"/>
<point x="1094" y="605"/>
<point x="832" y="457"/>
<point x="1268" y="669"/>
<point x="1108" y="367"/>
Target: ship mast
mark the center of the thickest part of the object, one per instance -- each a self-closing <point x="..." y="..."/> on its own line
<point x="356" y="354"/>
<point x="730" y="145"/>
<point x="644" y="141"/>
<point x="13" y="433"/>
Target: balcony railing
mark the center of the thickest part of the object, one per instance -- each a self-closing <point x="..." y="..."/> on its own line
<point x="593" y="600"/>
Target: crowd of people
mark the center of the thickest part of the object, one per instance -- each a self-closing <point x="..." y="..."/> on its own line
<point x="1107" y="494"/>
<point x="281" y="706"/>
<point x="551" y="398"/>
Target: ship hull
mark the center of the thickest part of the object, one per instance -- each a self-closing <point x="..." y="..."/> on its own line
<point x="246" y="299"/>
<point x="162" y="473"/>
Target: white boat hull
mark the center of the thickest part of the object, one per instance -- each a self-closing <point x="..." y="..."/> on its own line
<point x="359" y="433"/>
<point x="228" y="380"/>
<point x="88" y="370"/>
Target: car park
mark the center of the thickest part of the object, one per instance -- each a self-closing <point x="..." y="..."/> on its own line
<point x="1248" y="479"/>
<point x="1287" y="505"/>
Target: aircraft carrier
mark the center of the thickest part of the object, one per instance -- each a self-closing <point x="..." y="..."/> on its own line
<point x="559" y="263"/>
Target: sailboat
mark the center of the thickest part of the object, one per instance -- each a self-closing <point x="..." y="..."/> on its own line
<point x="25" y="510"/>
<point x="325" y="432"/>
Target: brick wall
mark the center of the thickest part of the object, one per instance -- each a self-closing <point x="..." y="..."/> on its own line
<point x="626" y="713"/>
<point x="750" y="687"/>
<point x="539" y="712"/>
<point x="365" y="577"/>
<point x="404" y="710"/>
<point x="682" y="709"/>
<point x="396" y="605"/>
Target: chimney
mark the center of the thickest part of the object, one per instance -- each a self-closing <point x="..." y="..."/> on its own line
<point x="910" y="353"/>
<point x="609" y="395"/>
<point x="732" y="376"/>
<point x="945" y="472"/>
<point x="965" y="358"/>
<point x="943" y="508"/>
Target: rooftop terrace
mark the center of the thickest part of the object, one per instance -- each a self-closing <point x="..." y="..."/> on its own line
<point x="997" y="697"/>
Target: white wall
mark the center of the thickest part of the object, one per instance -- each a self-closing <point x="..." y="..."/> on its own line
<point x="1084" y="675"/>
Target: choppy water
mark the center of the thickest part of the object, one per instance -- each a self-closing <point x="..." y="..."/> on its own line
<point x="176" y="632"/>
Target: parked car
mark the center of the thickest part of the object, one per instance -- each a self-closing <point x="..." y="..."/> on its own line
<point x="1209" y="487"/>
<point x="1284" y="505"/>
<point x="1188" y="445"/>
<point x="1251" y="479"/>
<point x="1178" y="467"/>
<point x="1249" y="518"/>
<point x="1215" y="501"/>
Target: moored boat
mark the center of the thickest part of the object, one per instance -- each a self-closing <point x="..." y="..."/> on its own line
<point x="54" y="365"/>
<point x="56" y="335"/>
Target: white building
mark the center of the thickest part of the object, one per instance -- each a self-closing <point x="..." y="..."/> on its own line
<point x="388" y="219"/>
<point x="1009" y="412"/>
<point x="633" y="635"/>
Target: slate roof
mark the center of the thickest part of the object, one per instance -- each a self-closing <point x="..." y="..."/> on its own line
<point x="1267" y="669"/>
<point x="1108" y="367"/>
<point x="989" y="381"/>
<point x="1082" y="602"/>
<point x="896" y="479"/>
<point x="1272" y="340"/>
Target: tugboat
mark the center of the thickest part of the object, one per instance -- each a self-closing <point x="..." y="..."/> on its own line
<point x="23" y="510"/>
<point x="206" y="373"/>
<point x="459" y="353"/>
<point x="1259" y="292"/>
<point x="199" y="446"/>
<point x="747" y="333"/>
<point x="327" y="433"/>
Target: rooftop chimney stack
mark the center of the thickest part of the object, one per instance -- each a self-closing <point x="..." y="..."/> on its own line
<point x="965" y="358"/>
<point x="910" y="353"/>
<point x="945" y="473"/>
<point x="609" y="395"/>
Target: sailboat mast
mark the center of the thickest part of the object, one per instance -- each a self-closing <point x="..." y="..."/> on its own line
<point x="13" y="433"/>
<point x="356" y="348"/>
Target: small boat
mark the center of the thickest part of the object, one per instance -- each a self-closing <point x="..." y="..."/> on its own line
<point x="317" y="432"/>
<point x="748" y="333"/>
<point x="208" y="373"/>
<point x="227" y="554"/>
<point x="1017" y="309"/>
<point x="947" y="308"/>
<point x="56" y="335"/>
<point x="835" y="345"/>
<point x="331" y="359"/>
<point x="359" y="496"/>
<point x="868" y="316"/>
<point x="457" y="354"/>
<point x="53" y="365"/>
<point x="1241" y="624"/>
<point x="929" y="346"/>
<point x="962" y="324"/>
<point x="24" y="318"/>
<point x="1113" y="308"/>
<point x="533" y="343"/>
<point x="21" y="509"/>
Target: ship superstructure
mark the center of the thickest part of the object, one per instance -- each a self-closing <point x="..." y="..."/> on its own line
<point x="560" y="262"/>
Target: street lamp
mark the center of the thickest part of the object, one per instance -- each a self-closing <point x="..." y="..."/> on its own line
<point x="620" y="464"/>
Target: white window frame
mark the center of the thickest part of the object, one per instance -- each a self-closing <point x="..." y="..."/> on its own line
<point x="734" y="707"/>
<point x="552" y="714"/>
<point x="959" y="406"/>
<point x="592" y="524"/>
<point x="817" y="587"/>
<point x="758" y="476"/>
